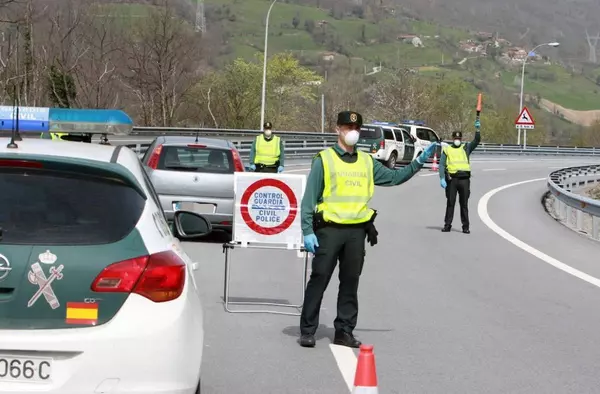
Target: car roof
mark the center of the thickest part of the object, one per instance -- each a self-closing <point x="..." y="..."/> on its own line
<point x="72" y="149"/>
<point x="184" y="140"/>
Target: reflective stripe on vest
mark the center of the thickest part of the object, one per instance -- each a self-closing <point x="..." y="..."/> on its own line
<point x="456" y="159"/>
<point x="267" y="152"/>
<point x="348" y="188"/>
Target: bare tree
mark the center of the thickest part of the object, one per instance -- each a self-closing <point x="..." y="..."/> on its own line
<point x="162" y="64"/>
<point x="96" y="76"/>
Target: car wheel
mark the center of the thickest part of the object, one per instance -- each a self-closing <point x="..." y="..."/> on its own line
<point x="392" y="160"/>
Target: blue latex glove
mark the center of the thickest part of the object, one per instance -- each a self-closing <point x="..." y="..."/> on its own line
<point x="310" y="243"/>
<point x="443" y="183"/>
<point x="280" y="169"/>
<point x="252" y="167"/>
<point x="477" y="124"/>
<point x="426" y="154"/>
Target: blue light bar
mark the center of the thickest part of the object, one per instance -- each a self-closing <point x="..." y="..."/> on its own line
<point x="92" y="121"/>
<point x="31" y="119"/>
<point x="415" y="122"/>
<point x="384" y="123"/>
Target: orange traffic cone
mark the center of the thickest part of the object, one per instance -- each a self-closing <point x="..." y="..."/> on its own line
<point x="365" y="379"/>
<point x="434" y="166"/>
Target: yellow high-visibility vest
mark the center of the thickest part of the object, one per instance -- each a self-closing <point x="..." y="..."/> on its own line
<point x="267" y="152"/>
<point x="456" y="159"/>
<point x="54" y="136"/>
<point x="348" y="188"/>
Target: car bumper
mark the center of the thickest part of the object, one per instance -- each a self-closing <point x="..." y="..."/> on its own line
<point x="220" y="219"/>
<point x="150" y="348"/>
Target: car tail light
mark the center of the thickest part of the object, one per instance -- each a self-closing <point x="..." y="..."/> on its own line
<point x="159" y="277"/>
<point x="20" y="163"/>
<point x="237" y="160"/>
<point x="153" y="162"/>
<point x="196" y="146"/>
<point x="225" y="223"/>
<point x="382" y="144"/>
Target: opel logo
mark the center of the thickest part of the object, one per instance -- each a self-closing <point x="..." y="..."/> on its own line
<point x="4" y="267"/>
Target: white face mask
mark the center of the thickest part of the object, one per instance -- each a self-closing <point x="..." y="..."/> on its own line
<point x="456" y="143"/>
<point x="268" y="133"/>
<point x="351" y="137"/>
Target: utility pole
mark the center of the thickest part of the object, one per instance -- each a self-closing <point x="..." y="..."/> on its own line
<point x="200" y="17"/>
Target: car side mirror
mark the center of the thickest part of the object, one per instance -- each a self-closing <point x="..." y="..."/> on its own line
<point x="189" y="225"/>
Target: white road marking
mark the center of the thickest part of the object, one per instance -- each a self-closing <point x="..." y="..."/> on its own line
<point x="435" y="173"/>
<point x="494" y="169"/>
<point x="298" y="170"/>
<point x="482" y="210"/>
<point x="346" y="361"/>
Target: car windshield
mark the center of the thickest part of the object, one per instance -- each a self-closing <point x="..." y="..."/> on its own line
<point x="369" y="132"/>
<point x="196" y="159"/>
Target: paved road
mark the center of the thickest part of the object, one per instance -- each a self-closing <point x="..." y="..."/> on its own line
<point x="446" y="312"/>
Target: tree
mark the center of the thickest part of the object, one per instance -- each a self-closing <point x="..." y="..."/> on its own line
<point x="232" y="96"/>
<point x="96" y="75"/>
<point x="296" y="21"/>
<point x="162" y="59"/>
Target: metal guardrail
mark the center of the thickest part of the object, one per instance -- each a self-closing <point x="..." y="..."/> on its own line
<point x="242" y="138"/>
<point x="578" y="211"/>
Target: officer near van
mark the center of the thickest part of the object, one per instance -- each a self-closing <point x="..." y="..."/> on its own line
<point x="336" y="220"/>
<point x="455" y="177"/>
<point x="52" y="136"/>
<point x="266" y="152"/>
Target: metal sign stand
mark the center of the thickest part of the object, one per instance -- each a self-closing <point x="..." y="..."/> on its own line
<point x="227" y="247"/>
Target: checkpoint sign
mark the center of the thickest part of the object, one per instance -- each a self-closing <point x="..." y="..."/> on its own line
<point x="267" y="208"/>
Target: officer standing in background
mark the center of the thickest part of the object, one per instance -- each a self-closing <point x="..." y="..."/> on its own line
<point x="266" y="152"/>
<point x="455" y="176"/>
<point x="336" y="219"/>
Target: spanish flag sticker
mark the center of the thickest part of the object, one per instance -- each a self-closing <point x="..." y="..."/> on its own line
<point x="82" y="313"/>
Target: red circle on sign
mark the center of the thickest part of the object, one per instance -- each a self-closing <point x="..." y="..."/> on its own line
<point x="288" y="193"/>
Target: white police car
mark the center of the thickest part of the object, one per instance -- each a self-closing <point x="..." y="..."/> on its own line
<point x="423" y="136"/>
<point x="387" y="142"/>
<point x="96" y="293"/>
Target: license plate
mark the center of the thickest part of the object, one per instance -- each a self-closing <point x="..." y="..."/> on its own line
<point x="196" y="207"/>
<point x="25" y="369"/>
<point x="363" y="148"/>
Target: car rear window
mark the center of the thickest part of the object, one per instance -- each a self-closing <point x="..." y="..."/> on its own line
<point x="369" y="133"/>
<point x="196" y="159"/>
<point x="57" y="208"/>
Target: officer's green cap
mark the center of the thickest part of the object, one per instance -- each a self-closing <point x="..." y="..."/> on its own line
<point x="267" y="125"/>
<point x="457" y="135"/>
<point x="349" y="118"/>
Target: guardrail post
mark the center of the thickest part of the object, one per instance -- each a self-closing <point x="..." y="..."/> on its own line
<point x="579" y="219"/>
<point x="596" y="227"/>
<point x="569" y="215"/>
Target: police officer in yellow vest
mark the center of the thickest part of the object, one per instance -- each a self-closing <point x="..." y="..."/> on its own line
<point x="336" y="220"/>
<point x="266" y="152"/>
<point x="53" y="136"/>
<point x="455" y="177"/>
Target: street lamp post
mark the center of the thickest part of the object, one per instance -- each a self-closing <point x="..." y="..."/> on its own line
<point x="264" y="81"/>
<point x="550" y="44"/>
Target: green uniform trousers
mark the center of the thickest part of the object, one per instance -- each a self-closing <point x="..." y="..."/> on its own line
<point x="346" y="244"/>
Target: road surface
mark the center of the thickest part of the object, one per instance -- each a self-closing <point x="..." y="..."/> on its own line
<point x="446" y="312"/>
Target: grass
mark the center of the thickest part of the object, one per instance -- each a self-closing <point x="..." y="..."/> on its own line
<point x="243" y="21"/>
<point x="571" y="92"/>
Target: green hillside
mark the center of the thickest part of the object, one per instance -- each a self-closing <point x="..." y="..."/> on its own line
<point x="358" y="43"/>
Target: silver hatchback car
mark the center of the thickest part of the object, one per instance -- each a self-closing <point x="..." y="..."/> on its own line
<point x="194" y="174"/>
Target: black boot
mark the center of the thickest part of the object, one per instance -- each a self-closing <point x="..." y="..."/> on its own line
<point x="307" y="340"/>
<point x="346" y="339"/>
<point x="466" y="230"/>
<point x="446" y="229"/>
